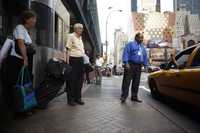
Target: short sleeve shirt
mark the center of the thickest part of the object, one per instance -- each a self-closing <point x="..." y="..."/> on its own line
<point x="75" y="46"/>
<point x="99" y="62"/>
<point x="86" y="59"/>
<point x="21" y="32"/>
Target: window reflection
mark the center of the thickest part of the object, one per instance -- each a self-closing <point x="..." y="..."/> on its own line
<point x="43" y="35"/>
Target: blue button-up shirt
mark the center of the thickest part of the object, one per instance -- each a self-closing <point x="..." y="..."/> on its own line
<point x="135" y="53"/>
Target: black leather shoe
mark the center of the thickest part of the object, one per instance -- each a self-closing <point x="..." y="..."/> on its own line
<point x="80" y="102"/>
<point x="135" y="99"/>
<point x="72" y="103"/>
<point x="123" y="100"/>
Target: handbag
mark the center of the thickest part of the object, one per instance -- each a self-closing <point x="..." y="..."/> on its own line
<point x="88" y="68"/>
<point x="6" y="49"/>
<point x="25" y="94"/>
<point x="29" y="48"/>
<point x="58" y="68"/>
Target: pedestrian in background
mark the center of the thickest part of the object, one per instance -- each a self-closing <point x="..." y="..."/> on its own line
<point x="74" y="57"/>
<point x="98" y="67"/>
<point x="87" y="66"/>
<point x="134" y="57"/>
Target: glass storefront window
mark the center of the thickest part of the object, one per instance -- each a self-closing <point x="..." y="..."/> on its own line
<point x="59" y="33"/>
<point x="43" y="35"/>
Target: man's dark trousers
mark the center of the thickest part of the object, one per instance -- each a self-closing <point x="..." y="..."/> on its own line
<point x="76" y="79"/>
<point x="133" y="73"/>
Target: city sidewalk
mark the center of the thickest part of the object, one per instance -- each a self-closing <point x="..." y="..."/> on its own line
<point x="102" y="113"/>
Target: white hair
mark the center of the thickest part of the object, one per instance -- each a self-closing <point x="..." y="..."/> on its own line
<point x="78" y="25"/>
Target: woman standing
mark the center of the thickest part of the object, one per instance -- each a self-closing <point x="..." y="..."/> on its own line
<point x="21" y="54"/>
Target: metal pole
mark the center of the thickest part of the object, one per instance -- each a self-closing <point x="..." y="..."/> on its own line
<point x="106" y="41"/>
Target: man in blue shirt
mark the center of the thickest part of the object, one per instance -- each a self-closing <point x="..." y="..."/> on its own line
<point x="134" y="57"/>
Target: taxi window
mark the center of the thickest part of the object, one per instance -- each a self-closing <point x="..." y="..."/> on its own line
<point x="183" y="60"/>
<point x="196" y="61"/>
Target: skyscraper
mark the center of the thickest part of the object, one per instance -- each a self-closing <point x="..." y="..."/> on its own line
<point x="158" y="6"/>
<point x="120" y="40"/>
<point x="145" y="5"/>
<point x="148" y="5"/>
<point x="190" y="5"/>
<point x="134" y="6"/>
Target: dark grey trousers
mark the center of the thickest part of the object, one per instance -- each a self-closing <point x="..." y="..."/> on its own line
<point x="133" y="74"/>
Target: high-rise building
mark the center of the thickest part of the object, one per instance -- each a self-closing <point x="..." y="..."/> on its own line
<point x="187" y="27"/>
<point x="190" y="5"/>
<point x="134" y="5"/>
<point x="148" y="5"/>
<point x="154" y="25"/>
<point x="138" y="22"/>
<point x="120" y="41"/>
<point x="158" y="6"/>
<point x="145" y="5"/>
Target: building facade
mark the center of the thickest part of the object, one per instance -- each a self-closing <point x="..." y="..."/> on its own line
<point x="187" y="28"/>
<point x="154" y="25"/>
<point x="134" y="6"/>
<point x="145" y="5"/>
<point x="120" y="40"/>
<point x="85" y="11"/>
<point x="55" y="19"/>
<point x="158" y="6"/>
<point x="138" y="22"/>
<point x="190" y="5"/>
<point x="148" y="5"/>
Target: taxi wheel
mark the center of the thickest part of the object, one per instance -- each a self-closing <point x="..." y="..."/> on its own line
<point x="154" y="89"/>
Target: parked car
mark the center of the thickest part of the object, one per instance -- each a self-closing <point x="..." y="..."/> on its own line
<point x="118" y="70"/>
<point x="153" y="69"/>
<point x="179" y="78"/>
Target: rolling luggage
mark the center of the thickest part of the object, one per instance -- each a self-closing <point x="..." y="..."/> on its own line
<point x="56" y="74"/>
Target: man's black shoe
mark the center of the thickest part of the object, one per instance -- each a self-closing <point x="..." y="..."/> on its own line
<point x="135" y="99"/>
<point x="123" y="100"/>
<point x="72" y="103"/>
<point x="80" y="102"/>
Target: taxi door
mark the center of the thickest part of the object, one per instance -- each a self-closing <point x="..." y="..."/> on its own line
<point x="186" y="81"/>
<point x="173" y="79"/>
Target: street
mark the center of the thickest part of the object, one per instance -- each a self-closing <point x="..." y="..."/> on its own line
<point x="103" y="113"/>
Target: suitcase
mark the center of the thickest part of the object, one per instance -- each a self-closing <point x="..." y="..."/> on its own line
<point x="48" y="90"/>
<point x="57" y="72"/>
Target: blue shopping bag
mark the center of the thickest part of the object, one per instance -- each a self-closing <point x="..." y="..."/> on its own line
<point x="25" y="94"/>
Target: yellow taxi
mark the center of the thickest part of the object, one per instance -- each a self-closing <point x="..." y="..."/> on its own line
<point x="180" y="78"/>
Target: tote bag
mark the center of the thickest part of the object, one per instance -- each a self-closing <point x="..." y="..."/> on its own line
<point x="25" y="94"/>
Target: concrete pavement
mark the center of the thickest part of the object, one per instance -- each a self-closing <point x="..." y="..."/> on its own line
<point x="103" y="113"/>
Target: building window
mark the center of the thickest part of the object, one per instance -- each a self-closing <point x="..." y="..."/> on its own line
<point x="43" y="34"/>
<point x="59" y="33"/>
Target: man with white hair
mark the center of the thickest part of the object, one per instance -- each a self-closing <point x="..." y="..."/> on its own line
<point x="74" y="57"/>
